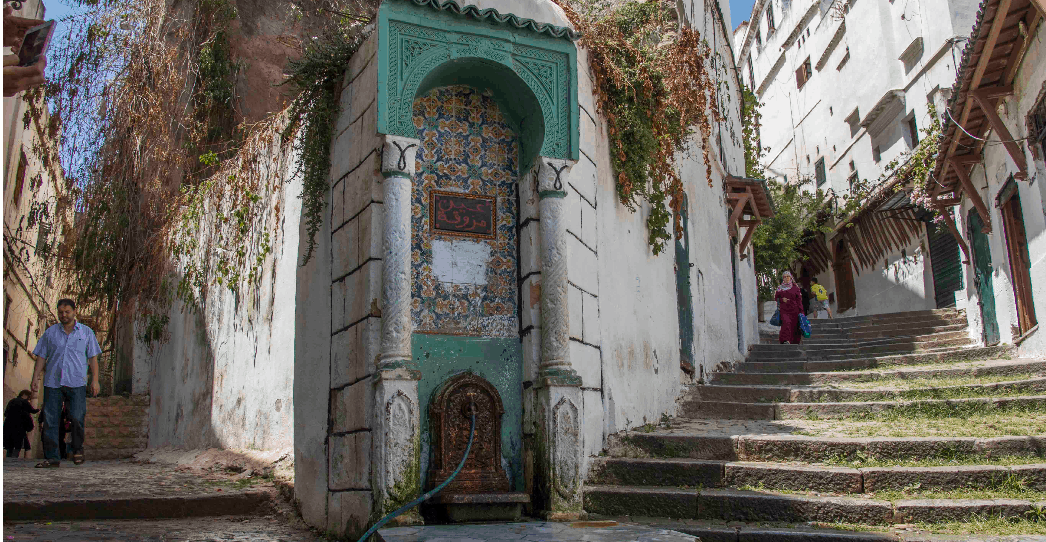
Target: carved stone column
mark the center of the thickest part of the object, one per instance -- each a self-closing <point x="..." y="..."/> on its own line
<point x="560" y="409"/>
<point x="397" y="429"/>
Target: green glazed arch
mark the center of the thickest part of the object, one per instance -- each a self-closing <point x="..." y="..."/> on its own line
<point x="529" y="68"/>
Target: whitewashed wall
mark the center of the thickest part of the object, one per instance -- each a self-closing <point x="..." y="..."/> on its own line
<point x="225" y="376"/>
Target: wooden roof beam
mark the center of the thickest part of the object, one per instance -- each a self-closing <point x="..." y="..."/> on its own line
<point x="975" y="196"/>
<point x="739" y="207"/>
<point x="947" y="215"/>
<point x="743" y="247"/>
<point x="982" y="96"/>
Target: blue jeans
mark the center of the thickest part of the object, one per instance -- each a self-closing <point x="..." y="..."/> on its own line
<point x="76" y="399"/>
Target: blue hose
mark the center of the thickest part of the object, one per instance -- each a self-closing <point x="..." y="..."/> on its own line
<point x="427" y="496"/>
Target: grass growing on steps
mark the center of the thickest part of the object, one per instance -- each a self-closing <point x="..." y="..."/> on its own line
<point x="889" y="364"/>
<point x="1034" y="524"/>
<point x="933" y="421"/>
<point x="922" y="383"/>
<point x="1010" y="487"/>
<point x="954" y="459"/>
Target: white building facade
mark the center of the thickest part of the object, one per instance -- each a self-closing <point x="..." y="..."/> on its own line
<point x="845" y="88"/>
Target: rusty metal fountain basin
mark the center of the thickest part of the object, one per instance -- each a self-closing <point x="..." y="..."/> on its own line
<point x="481" y="491"/>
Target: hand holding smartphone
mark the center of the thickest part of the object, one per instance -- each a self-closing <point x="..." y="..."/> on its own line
<point x="34" y="45"/>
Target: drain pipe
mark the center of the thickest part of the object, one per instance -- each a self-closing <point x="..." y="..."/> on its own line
<point x="430" y="494"/>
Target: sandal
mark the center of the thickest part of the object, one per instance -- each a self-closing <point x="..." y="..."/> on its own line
<point x="78" y="459"/>
<point x="48" y="464"/>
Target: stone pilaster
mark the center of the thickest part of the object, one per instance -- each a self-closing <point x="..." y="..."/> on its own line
<point x="560" y="443"/>
<point x="397" y="428"/>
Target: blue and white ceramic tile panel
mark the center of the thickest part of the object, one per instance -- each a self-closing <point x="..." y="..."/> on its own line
<point x="466" y="146"/>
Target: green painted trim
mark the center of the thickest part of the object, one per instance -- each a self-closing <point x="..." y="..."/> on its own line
<point x="492" y="15"/>
<point x="532" y="75"/>
<point x="390" y="174"/>
<point x="542" y="194"/>
<point x="499" y="361"/>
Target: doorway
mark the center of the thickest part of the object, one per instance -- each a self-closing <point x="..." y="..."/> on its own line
<point x="684" y="296"/>
<point x="844" y="278"/>
<point x="982" y="273"/>
<point x="1020" y="263"/>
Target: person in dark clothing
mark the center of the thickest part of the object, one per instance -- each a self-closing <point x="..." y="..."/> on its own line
<point x="18" y="422"/>
<point x="790" y="303"/>
<point x="805" y="292"/>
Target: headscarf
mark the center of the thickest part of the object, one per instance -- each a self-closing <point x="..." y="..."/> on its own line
<point x="783" y="287"/>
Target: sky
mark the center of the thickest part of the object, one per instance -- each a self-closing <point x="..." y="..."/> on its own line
<point x="739" y="10"/>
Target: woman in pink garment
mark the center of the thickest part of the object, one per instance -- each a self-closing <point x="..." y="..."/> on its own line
<point x="790" y="303"/>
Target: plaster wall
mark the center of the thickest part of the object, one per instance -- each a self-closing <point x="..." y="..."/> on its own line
<point x="225" y="377"/>
<point x="989" y="177"/>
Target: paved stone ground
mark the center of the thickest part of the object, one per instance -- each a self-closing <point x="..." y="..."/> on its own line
<point x="125" y="489"/>
<point x="227" y="528"/>
<point x="534" y="532"/>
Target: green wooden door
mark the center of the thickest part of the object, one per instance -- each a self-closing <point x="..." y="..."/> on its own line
<point x="947" y="268"/>
<point x="982" y="272"/>
<point x="684" y="297"/>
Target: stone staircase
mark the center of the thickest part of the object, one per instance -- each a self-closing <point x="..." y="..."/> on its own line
<point x="872" y="423"/>
<point x="116" y="427"/>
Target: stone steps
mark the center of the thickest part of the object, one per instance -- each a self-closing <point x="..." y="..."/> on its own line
<point x="759" y="506"/>
<point x="990" y="368"/>
<point x="831" y="353"/>
<point x="819" y="449"/>
<point x="652" y="472"/>
<point x="731" y="410"/>
<point x="811" y="394"/>
<point x="942" y="356"/>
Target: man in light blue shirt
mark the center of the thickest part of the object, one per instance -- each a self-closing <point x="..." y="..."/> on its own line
<point x="62" y="356"/>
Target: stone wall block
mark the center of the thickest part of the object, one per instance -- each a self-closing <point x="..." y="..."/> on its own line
<point x="343" y="251"/>
<point x="530" y="249"/>
<point x="584" y="83"/>
<point x="338" y="293"/>
<point x="365" y="90"/>
<point x="574" y="306"/>
<point x="366" y="297"/>
<point x="370" y="232"/>
<point x="345" y="117"/>
<point x="593" y="426"/>
<point x="590" y="313"/>
<point x="583" y="175"/>
<point x="370" y="345"/>
<point x="582" y="266"/>
<point x="352" y="249"/>
<point x="572" y="212"/>
<point x="342" y="154"/>
<point x="348" y="513"/>
<point x="359" y="190"/>
<point x="585" y="361"/>
<point x="365" y="56"/>
<point x="352" y="407"/>
<point x="337" y="203"/>
<point x="349" y="461"/>
<point x="531" y="297"/>
<point x="589" y="232"/>
<point x="345" y="355"/>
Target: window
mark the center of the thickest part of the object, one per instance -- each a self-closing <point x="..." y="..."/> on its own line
<point x="854" y="120"/>
<point x="803" y="74"/>
<point x="7" y="308"/>
<point x="876" y="155"/>
<point x="758" y="38"/>
<point x="19" y="178"/>
<point x="770" y="25"/>
<point x="819" y="172"/>
<point x="913" y="131"/>
<point x="751" y="75"/>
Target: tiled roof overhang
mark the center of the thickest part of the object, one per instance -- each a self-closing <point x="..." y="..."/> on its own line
<point x="986" y="73"/>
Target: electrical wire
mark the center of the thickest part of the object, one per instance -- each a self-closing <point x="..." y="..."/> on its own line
<point x="948" y="111"/>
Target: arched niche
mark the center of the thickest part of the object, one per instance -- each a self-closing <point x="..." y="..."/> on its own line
<point x="529" y="68"/>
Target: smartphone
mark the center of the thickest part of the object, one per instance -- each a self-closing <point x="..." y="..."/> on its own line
<point x="35" y="43"/>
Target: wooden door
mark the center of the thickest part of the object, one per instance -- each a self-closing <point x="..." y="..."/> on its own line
<point x="982" y="273"/>
<point x="844" y="278"/>
<point x="1020" y="263"/>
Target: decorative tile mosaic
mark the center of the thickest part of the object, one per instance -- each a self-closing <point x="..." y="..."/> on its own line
<point x="468" y="148"/>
